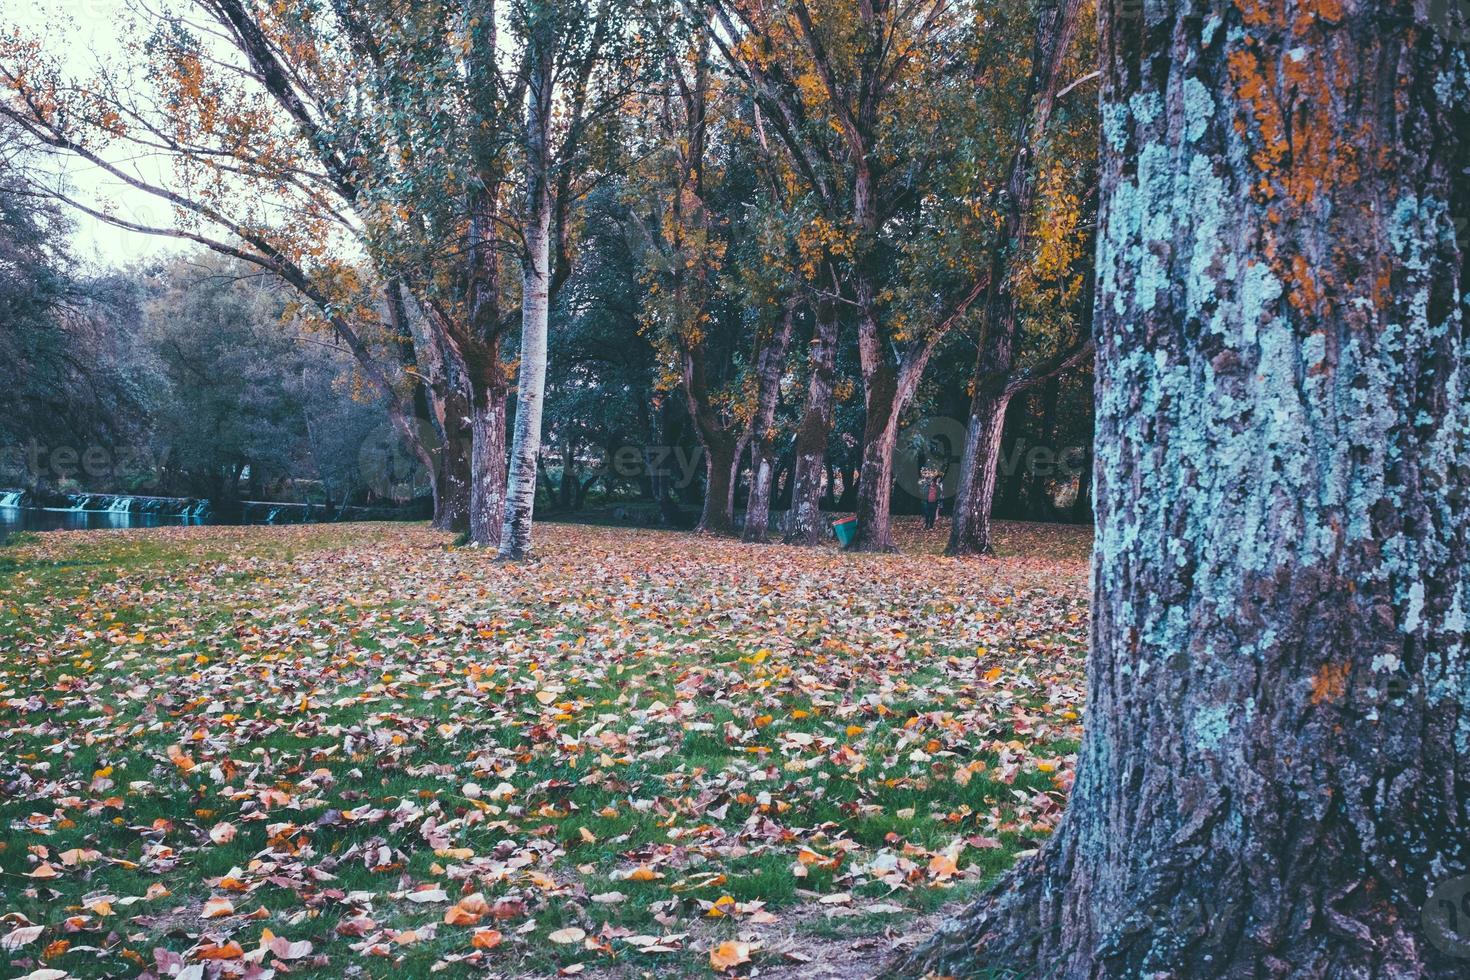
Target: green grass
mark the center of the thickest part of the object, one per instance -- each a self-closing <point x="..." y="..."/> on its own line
<point x="705" y="709"/>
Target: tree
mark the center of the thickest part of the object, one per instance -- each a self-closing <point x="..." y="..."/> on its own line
<point x="870" y="103"/>
<point x="1271" y="779"/>
<point x="261" y="158"/>
<point x="685" y="250"/>
<point x="525" y="453"/>
<point x="578" y="72"/>
<point x="996" y="380"/>
<point x="64" y="335"/>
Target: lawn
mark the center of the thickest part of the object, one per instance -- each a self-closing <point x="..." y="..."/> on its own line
<point x="355" y="750"/>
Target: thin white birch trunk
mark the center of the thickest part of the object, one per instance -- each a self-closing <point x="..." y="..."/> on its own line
<point x="520" y="494"/>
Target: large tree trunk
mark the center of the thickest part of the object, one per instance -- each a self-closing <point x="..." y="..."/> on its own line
<point x="969" y="532"/>
<point x="520" y="494"/>
<point x="804" y="516"/>
<point x="875" y="486"/>
<point x="758" y="504"/>
<point x="721" y="453"/>
<point x="888" y="391"/>
<point x="487" y="465"/>
<point x="1274" y="779"/>
<point x="454" y="464"/>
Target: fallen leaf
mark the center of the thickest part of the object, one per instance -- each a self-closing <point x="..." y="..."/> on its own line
<point x="729" y="954"/>
<point x="486" y="938"/>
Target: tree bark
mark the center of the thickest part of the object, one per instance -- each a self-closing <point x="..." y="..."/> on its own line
<point x="1039" y="506"/>
<point x="969" y="529"/>
<point x="804" y="516"/>
<point x="487" y="466"/>
<point x="721" y="454"/>
<point x="875" y="485"/>
<point x="520" y="494"/>
<point x="888" y="389"/>
<point x="1273" y="778"/>
<point x="455" y="464"/>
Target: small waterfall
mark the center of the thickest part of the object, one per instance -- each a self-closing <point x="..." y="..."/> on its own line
<point x="11" y="498"/>
<point x="120" y="505"/>
<point x="80" y="501"/>
<point x="272" y="514"/>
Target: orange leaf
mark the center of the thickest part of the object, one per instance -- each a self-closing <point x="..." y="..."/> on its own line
<point x="229" y="951"/>
<point x="217" y="908"/>
<point x="729" y="954"/>
<point x="486" y="938"/>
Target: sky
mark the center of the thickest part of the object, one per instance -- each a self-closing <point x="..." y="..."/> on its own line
<point x="81" y="32"/>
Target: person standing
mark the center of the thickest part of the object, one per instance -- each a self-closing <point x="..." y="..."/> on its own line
<point x="931" y="503"/>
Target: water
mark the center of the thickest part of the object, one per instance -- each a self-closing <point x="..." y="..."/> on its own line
<point x="86" y="511"/>
<point x="14" y="519"/>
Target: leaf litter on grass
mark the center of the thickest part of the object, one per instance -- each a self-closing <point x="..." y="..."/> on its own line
<point x="354" y="750"/>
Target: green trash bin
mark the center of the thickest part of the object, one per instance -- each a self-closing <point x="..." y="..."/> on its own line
<point x="845" y="529"/>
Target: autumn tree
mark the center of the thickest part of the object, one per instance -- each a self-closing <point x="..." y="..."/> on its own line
<point x="1001" y="370"/>
<point x="255" y="160"/>
<point x="1271" y="779"/>
<point x="704" y="299"/>
<point x="869" y="102"/>
<point x="580" y="65"/>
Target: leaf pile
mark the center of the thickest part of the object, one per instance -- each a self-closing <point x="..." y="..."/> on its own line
<point x="355" y="751"/>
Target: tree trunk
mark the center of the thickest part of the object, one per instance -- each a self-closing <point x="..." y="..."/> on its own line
<point x="887" y="390"/>
<point x="770" y="358"/>
<point x="1273" y="780"/>
<point x="454" y="464"/>
<point x="875" y="485"/>
<point x="720" y="457"/>
<point x="758" y="504"/>
<point x="848" y="500"/>
<point x="1039" y="506"/>
<point x="487" y="466"/>
<point x="804" y="516"/>
<point x="520" y="494"/>
<point x="737" y="460"/>
<point x="1082" y="506"/>
<point x="566" y="491"/>
<point x="781" y="481"/>
<point x="969" y="529"/>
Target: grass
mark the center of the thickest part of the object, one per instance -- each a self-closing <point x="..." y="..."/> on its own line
<point x="324" y="725"/>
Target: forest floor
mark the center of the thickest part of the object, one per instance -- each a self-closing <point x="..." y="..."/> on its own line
<point x="356" y="751"/>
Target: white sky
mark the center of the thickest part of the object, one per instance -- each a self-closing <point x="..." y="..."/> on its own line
<point x="81" y="32"/>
